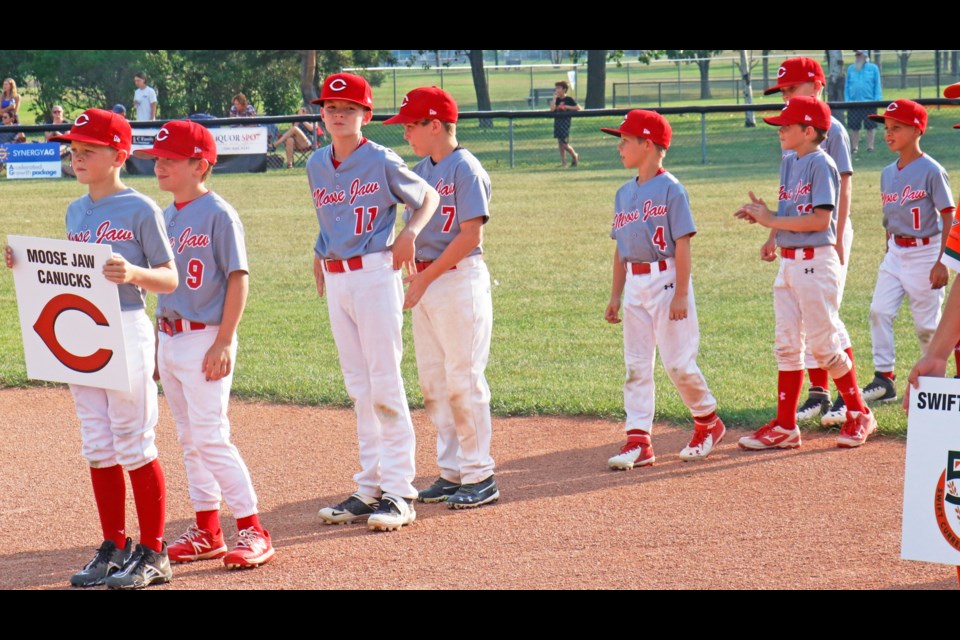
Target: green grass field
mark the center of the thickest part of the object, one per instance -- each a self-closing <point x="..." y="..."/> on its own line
<point x="549" y="254"/>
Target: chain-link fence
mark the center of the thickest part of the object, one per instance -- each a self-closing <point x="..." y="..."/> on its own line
<point x="906" y="74"/>
<point x="708" y="136"/>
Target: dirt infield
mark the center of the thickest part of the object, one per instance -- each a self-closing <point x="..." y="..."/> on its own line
<point x="819" y="517"/>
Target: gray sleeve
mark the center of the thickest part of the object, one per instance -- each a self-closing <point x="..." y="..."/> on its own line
<point x="473" y="195"/>
<point x="939" y="190"/>
<point x="681" y="217"/>
<point x="230" y="249"/>
<point x="153" y="239"/>
<point x="826" y="186"/>
<point x="406" y="186"/>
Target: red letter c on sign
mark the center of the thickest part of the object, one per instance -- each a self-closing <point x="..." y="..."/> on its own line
<point x="45" y="327"/>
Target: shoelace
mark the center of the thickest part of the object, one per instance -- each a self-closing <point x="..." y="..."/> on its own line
<point x="765" y="429"/>
<point x="191" y="534"/>
<point x="247" y="537"/>
<point x="101" y="556"/>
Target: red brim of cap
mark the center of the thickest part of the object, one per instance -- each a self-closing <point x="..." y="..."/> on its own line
<point x="320" y="102"/>
<point x="146" y="154"/>
<point x="613" y="132"/>
<point x="776" y="88"/>
<point x="879" y="117"/>
<point x="956" y="126"/>
<point x="401" y="119"/>
<point x="77" y="137"/>
<point x="953" y="91"/>
<point x="778" y="121"/>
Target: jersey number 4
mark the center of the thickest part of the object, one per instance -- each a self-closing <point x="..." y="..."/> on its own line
<point x="659" y="240"/>
<point x="371" y="213"/>
<point x="194" y="277"/>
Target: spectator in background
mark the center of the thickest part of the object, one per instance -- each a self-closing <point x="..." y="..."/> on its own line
<point x="10" y="103"/>
<point x="561" y="126"/>
<point x="299" y="137"/>
<point x="56" y="117"/>
<point x="10" y="137"/>
<point x="144" y="98"/>
<point x="863" y="85"/>
<point x="241" y="108"/>
<point x="119" y="108"/>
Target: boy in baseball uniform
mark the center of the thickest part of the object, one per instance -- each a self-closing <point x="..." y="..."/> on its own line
<point x="917" y="215"/>
<point x="804" y="77"/>
<point x="356" y="185"/>
<point x="451" y="302"/>
<point x="197" y="345"/>
<point x="652" y="227"/>
<point x="806" y="291"/>
<point x="117" y="428"/>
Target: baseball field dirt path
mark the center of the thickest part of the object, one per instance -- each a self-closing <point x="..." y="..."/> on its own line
<point x="815" y="518"/>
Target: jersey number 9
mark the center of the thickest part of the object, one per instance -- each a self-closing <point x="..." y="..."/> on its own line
<point x="194" y="274"/>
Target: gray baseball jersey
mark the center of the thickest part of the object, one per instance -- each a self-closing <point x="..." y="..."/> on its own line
<point x="208" y="245"/>
<point x="650" y="217"/>
<point x="464" y="189"/>
<point x="913" y="197"/>
<point x="357" y="202"/>
<point x="132" y="224"/>
<point x="808" y="183"/>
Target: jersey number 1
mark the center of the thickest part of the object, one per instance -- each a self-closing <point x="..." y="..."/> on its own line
<point x="916" y="217"/>
<point x="359" y="211"/>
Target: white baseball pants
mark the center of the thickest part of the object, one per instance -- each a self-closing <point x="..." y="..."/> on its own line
<point x="214" y="467"/>
<point x="646" y="327"/>
<point x="118" y="427"/>
<point x="809" y="361"/>
<point x="452" y="324"/>
<point x="805" y="301"/>
<point x="366" y="316"/>
<point x="904" y="271"/>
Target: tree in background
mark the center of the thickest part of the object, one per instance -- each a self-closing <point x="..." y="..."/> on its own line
<point x="597" y="72"/>
<point x="904" y="58"/>
<point x="702" y="58"/>
<point x="835" y="75"/>
<point x="746" y="65"/>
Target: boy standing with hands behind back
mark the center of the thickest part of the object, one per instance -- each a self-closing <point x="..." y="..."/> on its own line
<point x="356" y="185"/>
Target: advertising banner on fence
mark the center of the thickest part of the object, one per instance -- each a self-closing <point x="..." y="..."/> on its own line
<point x="931" y="494"/>
<point x="30" y="161"/>
<point x="69" y="313"/>
<point x="231" y="141"/>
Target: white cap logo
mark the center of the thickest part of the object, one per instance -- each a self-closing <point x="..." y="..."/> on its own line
<point x="646" y="131"/>
<point x="893" y="106"/>
<point x="406" y="99"/>
<point x="807" y="119"/>
<point x="163" y="134"/>
<point x="916" y="120"/>
<point x="197" y="150"/>
<point x="811" y="74"/>
<point x="782" y="71"/>
<point x="338" y="85"/>
<point x="433" y="112"/>
<point x="81" y="120"/>
<point x="116" y="138"/>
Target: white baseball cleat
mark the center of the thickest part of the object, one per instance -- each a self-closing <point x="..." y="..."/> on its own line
<point x="837" y="414"/>
<point x="393" y="513"/>
<point x="772" y="436"/>
<point x="705" y="438"/>
<point x="638" y="452"/>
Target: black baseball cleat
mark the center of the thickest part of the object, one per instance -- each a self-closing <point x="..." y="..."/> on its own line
<point x="353" y="509"/>
<point x="817" y="404"/>
<point x="106" y="561"/>
<point x="469" y="496"/>
<point x="143" y="568"/>
<point x="882" y="389"/>
<point x="439" y="491"/>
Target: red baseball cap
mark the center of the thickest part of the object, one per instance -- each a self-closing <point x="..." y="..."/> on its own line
<point x="803" y="110"/>
<point x="953" y="91"/>
<point x="905" y="111"/>
<point x="797" y="71"/>
<point x="180" y="140"/>
<point x="346" y="86"/>
<point x="97" y="126"/>
<point x="648" y="125"/>
<point x="426" y="103"/>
